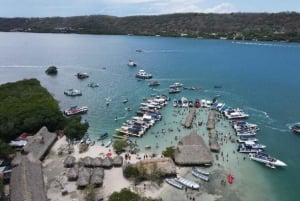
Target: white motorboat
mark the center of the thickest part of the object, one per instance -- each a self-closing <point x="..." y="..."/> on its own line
<point x="176" y="85"/>
<point x="174" y="90"/>
<point x="266" y="158"/>
<point x="185" y="102"/>
<point x="109" y="142"/>
<point x="201" y="171"/>
<point x="131" y="63"/>
<point x="187" y="183"/>
<point x="76" y="110"/>
<point x="255" y="145"/>
<point x="72" y="92"/>
<point x="246" y="139"/>
<point x="174" y="183"/>
<point x="231" y="113"/>
<point x="82" y="75"/>
<point x="199" y="175"/>
<point x="143" y="75"/>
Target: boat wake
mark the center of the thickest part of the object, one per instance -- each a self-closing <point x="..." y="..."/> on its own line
<point x="259" y="113"/>
<point x="282" y="130"/>
<point x="263" y="44"/>
<point x="290" y="125"/>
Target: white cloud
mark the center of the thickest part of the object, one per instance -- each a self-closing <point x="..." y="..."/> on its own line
<point x="221" y="8"/>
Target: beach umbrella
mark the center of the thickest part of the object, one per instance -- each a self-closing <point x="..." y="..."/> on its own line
<point x="88" y="161"/>
<point x="69" y="161"/>
<point x="97" y="162"/>
<point x="72" y="174"/>
<point x="107" y="162"/>
<point x="118" y="161"/>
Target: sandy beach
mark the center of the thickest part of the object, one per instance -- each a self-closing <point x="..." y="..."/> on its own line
<point x="56" y="179"/>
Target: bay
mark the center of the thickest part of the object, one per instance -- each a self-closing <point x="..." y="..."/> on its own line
<point x="262" y="78"/>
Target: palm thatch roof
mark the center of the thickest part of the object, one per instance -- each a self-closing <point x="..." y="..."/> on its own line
<point x="97" y="162"/>
<point x="189" y="119"/>
<point x="192" y="150"/>
<point x="107" y="162"/>
<point x="39" y="144"/>
<point x="165" y="166"/>
<point x="69" y="161"/>
<point x="97" y="176"/>
<point x="83" y="177"/>
<point x="26" y="182"/>
<point x="88" y="161"/>
<point x="72" y="174"/>
<point x="117" y="161"/>
<point x="214" y="146"/>
<point x="210" y="124"/>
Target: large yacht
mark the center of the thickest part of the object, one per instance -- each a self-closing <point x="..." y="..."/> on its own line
<point x="143" y="75"/>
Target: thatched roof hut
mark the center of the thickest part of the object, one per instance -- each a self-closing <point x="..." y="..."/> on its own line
<point x="211" y="120"/>
<point x="165" y="166"/>
<point x="39" y="144"/>
<point x="26" y="182"/>
<point x="189" y="119"/>
<point x="97" y="176"/>
<point x="192" y="150"/>
<point x="98" y="171"/>
<point x="97" y="162"/>
<point x="72" y="174"/>
<point x="69" y="161"/>
<point x="214" y="146"/>
<point x="88" y="161"/>
<point x="107" y="162"/>
<point x="83" y="177"/>
<point x="117" y="161"/>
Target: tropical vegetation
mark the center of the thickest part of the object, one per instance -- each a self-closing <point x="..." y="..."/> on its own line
<point x="127" y="195"/>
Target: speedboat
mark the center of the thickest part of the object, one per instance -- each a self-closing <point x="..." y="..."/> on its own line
<point x="242" y="148"/>
<point x="174" y="183"/>
<point x="199" y="175"/>
<point x="201" y="171"/>
<point x="187" y="183"/>
<point x="75" y="110"/>
<point x="266" y="158"/>
<point x="245" y="139"/>
<point x="93" y="84"/>
<point x="82" y="75"/>
<point x="131" y="63"/>
<point x="143" y="75"/>
<point x="254" y="145"/>
<point x="231" y="113"/>
<point x="296" y="128"/>
<point x="154" y="84"/>
<point x="176" y="85"/>
<point x="72" y="92"/>
<point x="197" y="103"/>
<point x="174" y="90"/>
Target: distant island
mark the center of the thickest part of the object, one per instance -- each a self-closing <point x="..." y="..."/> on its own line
<point x="284" y="26"/>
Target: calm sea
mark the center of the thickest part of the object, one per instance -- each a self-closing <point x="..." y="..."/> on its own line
<point x="260" y="77"/>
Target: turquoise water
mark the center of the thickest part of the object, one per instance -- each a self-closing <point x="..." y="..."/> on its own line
<point x="259" y="77"/>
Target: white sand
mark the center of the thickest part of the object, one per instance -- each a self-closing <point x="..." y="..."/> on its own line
<point x="113" y="179"/>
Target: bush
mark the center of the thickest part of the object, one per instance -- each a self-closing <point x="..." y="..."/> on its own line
<point x="169" y="152"/>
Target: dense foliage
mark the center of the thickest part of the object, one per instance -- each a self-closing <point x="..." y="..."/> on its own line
<point x="51" y="70"/>
<point x="5" y="149"/>
<point x="26" y="106"/>
<point x="74" y="128"/>
<point x="169" y="152"/>
<point x="127" y="195"/>
<point x="259" y="26"/>
<point x="120" y="145"/>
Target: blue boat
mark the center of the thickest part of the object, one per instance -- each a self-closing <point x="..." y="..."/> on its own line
<point x="103" y="135"/>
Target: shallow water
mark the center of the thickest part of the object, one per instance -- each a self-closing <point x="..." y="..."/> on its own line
<point x="261" y="78"/>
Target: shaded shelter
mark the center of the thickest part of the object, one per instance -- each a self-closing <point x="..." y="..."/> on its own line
<point x="97" y="162"/>
<point x="192" y="150"/>
<point x="83" y="177"/>
<point x="72" y="174"/>
<point x="107" y="162"/>
<point x="189" y="119"/>
<point x="88" y="161"/>
<point x="69" y="161"/>
<point x="117" y="161"/>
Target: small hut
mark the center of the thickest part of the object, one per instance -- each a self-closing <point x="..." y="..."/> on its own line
<point x="97" y="177"/>
<point x="192" y="150"/>
<point x="189" y="119"/>
<point x="211" y="120"/>
<point x="107" y="162"/>
<point x="69" y="161"/>
<point x="83" y="177"/>
<point x="97" y="162"/>
<point x="117" y="161"/>
<point x="72" y="174"/>
<point x="88" y="161"/>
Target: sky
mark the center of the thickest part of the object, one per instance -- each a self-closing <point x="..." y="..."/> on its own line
<point x="121" y="8"/>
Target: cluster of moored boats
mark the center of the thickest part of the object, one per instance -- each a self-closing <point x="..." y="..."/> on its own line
<point x="148" y="114"/>
<point x="246" y="132"/>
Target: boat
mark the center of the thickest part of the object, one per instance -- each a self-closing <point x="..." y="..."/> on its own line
<point x="103" y="135"/>
<point x="242" y="148"/>
<point x="93" y="85"/>
<point x="125" y="100"/>
<point x="176" y="85"/>
<point x="174" y="90"/>
<point x="201" y="171"/>
<point x="174" y="183"/>
<point x="246" y="139"/>
<point x="185" y="102"/>
<point x="82" y="75"/>
<point x="230" y="178"/>
<point x="175" y="104"/>
<point x="143" y="75"/>
<point x="231" y="113"/>
<point x="187" y="183"/>
<point x="254" y="145"/>
<point x="109" y="142"/>
<point x="199" y="175"/>
<point x="197" y="103"/>
<point x="154" y="84"/>
<point x="296" y="128"/>
<point x="266" y="158"/>
<point x="131" y="63"/>
<point x="148" y="147"/>
<point x="76" y="110"/>
<point x="139" y="50"/>
<point x="73" y="92"/>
